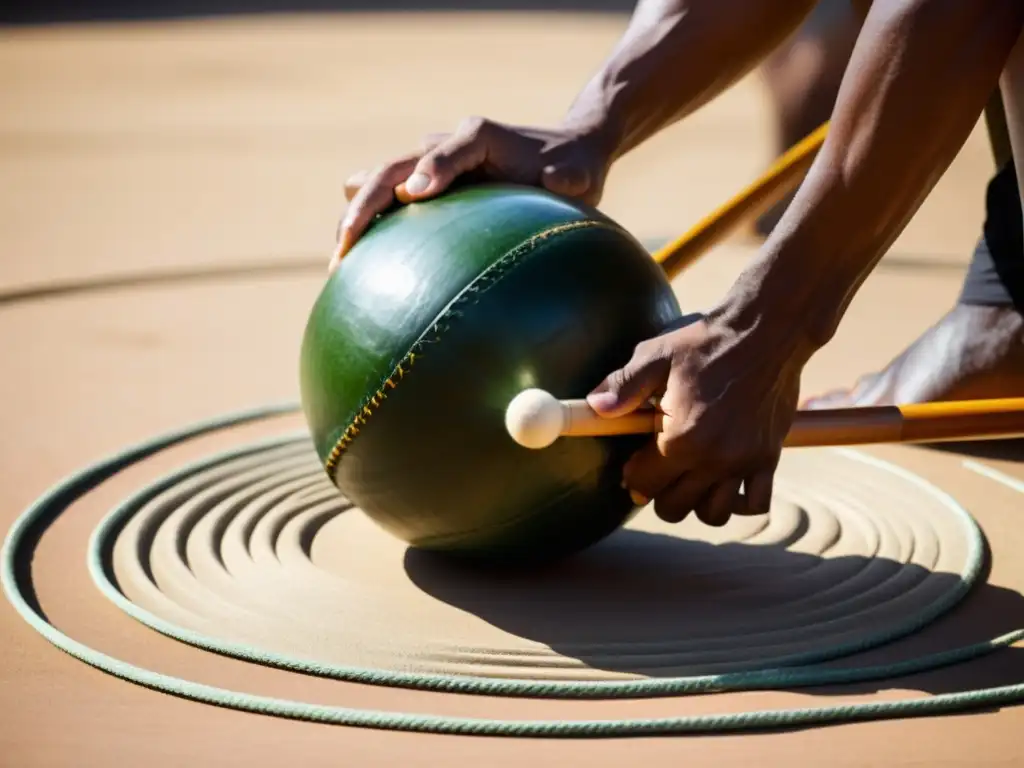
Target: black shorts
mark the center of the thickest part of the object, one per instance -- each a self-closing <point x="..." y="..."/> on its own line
<point x="996" y="273"/>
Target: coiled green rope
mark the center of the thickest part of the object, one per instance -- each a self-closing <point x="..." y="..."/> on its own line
<point x="24" y="534"/>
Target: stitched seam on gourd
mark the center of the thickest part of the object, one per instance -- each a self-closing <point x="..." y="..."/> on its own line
<point x="466" y="298"/>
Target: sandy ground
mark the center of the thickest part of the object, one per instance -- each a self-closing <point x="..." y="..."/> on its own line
<point x="145" y="148"/>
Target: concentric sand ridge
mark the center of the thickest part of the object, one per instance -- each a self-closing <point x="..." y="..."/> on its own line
<point x="261" y="550"/>
<point x="250" y="553"/>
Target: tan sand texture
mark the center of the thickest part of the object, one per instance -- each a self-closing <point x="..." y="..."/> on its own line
<point x="261" y="552"/>
<point x="219" y="145"/>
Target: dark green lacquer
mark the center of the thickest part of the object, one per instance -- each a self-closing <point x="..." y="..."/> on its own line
<point x="495" y="289"/>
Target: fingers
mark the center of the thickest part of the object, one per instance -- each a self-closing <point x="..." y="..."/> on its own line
<point x="675" y="502"/>
<point x="632" y="386"/>
<point x="354" y="183"/>
<point x="720" y="503"/>
<point x="451" y="157"/>
<point x="371" y="193"/>
<point x="649" y="474"/>
<point x="570" y="180"/>
<point x="758" y="490"/>
<point x="415" y="177"/>
<point x="371" y="197"/>
<point x="714" y="501"/>
<point x="357" y="181"/>
<point x="684" y="482"/>
<point x="478" y="147"/>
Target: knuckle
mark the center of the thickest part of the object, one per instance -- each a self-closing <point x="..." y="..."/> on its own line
<point x="716" y="450"/>
<point x="436" y="163"/>
<point x="475" y="127"/>
<point x="618" y="379"/>
<point x="709" y="515"/>
<point x="384" y="174"/>
<point x="649" y="350"/>
<point x="373" y="181"/>
<point x="380" y="193"/>
<point x="669" y="511"/>
<point x="758" y="506"/>
<point x="673" y="443"/>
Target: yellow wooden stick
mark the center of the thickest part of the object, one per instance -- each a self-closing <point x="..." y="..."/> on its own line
<point x="535" y="419"/>
<point x="784" y="176"/>
<point x="951" y="421"/>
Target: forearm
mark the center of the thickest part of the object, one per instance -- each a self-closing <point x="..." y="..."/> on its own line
<point x="675" y="56"/>
<point x="918" y="80"/>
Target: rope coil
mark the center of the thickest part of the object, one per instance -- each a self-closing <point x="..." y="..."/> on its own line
<point x="27" y="529"/>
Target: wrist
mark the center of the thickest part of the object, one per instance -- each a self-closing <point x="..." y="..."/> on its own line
<point x="592" y="120"/>
<point x="782" y="315"/>
<point x="808" y="271"/>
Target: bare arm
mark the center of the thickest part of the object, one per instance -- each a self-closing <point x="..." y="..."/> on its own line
<point x="675" y="56"/>
<point x="918" y="81"/>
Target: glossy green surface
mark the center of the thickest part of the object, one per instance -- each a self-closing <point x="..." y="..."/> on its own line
<point x="488" y="311"/>
<point x="396" y="281"/>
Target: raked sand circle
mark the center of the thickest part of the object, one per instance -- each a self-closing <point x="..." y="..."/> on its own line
<point x="260" y="551"/>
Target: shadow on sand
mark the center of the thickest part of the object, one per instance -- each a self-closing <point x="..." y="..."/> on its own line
<point x="996" y="450"/>
<point x="644" y="587"/>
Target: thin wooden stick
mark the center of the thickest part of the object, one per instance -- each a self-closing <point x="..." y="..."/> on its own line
<point x="543" y="419"/>
<point x="952" y="421"/>
<point x="784" y="176"/>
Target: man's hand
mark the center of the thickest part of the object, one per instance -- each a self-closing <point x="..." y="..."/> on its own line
<point x="568" y="161"/>
<point x="675" y="56"/>
<point x="728" y="400"/>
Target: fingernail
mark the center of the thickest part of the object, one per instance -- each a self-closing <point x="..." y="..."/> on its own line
<point x="417" y="183"/>
<point x="639" y="500"/>
<point x="339" y="253"/>
<point x="601" y="401"/>
<point x="566" y="180"/>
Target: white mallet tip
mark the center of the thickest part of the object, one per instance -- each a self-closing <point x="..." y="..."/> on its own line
<point x="534" y="418"/>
